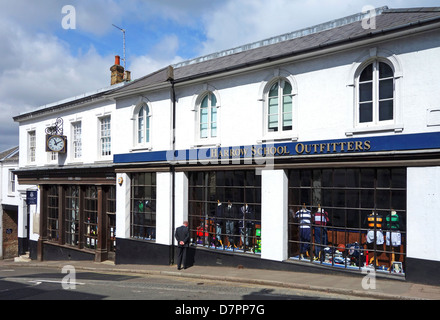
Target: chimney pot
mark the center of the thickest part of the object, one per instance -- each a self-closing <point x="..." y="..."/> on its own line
<point x="117" y="72"/>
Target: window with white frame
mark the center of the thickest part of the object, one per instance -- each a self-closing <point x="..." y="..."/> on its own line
<point x="279" y="110"/>
<point x="76" y="140"/>
<point x="31" y="146"/>
<point x="11" y="182"/>
<point x="375" y="99"/>
<point x="143" y="116"/>
<point x="207" y="119"/>
<point x="105" y="136"/>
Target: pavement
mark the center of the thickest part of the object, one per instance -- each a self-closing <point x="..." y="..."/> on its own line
<point x="351" y="285"/>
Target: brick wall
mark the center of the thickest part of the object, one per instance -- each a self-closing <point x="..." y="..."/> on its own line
<point x="10" y="234"/>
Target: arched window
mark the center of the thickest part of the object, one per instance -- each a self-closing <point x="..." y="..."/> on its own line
<point x="376" y="93"/>
<point x="143" y="124"/>
<point x="280" y="106"/>
<point x="208" y="120"/>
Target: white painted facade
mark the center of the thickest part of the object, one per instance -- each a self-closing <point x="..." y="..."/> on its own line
<point x="324" y="94"/>
<point x="13" y="194"/>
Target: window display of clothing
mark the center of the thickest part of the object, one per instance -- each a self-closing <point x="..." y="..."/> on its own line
<point x="230" y="213"/>
<point x="304" y="218"/>
<point x="375" y="223"/>
<point x="246" y="224"/>
<point x="393" y="225"/>
<point x="320" y="220"/>
<point x="218" y="223"/>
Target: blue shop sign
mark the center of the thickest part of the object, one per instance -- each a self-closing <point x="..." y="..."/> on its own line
<point x="399" y="142"/>
<point x="31" y="197"/>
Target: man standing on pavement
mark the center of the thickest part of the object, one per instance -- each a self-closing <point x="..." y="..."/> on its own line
<point x="182" y="237"/>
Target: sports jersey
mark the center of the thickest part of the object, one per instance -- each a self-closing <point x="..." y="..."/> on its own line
<point x="304" y="217"/>
<point x="375" y="221"/>
<point x="392" y="222"/>
<point x="321" y="217"/>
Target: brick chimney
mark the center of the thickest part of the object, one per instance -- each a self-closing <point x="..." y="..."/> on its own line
<point x="117" y="70"/>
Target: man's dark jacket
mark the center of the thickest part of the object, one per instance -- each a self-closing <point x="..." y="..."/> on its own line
<point x="182" y="234"/>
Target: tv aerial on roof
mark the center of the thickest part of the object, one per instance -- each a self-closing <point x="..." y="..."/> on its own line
<point x="123" y="38"/>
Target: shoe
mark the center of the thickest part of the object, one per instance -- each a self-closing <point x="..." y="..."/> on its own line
<point x="179" y="268"/>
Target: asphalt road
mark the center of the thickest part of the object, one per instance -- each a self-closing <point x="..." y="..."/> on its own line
<point x="22" y="283"/>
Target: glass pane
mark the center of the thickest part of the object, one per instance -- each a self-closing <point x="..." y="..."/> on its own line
<point x="398" y="200"/>
<point x="214" y="114"/>
<point x="273" y="122"/>
<point x="383" y="178"/>
<point x="287" y="88"/>
<point x="386" y="89"/>
<point x="204" y="130"/>
<point x="367" y="178"/>
<point x="273" y="106"/>
<point x="365" y="92"/>
<point x="367" y="73"/>
<point x="398" y="176"/>
<point x="287" y="121"/>
<point x="352" y="178"/>
<point x="204" y="116"/>
<point x="147" y="129"/>
<point x="287" y="104"/>
<point x="339" y="178"/>
<point x="383" y="199"/>
<point x="213" y="100"/>
<point x="204" y="103"/>
<point x="386" y="110"/>
<point x="385" y="70"/>
<point x="365" y="112"/>
<point x="140" y="129"/>
<point x="274" y="90"/>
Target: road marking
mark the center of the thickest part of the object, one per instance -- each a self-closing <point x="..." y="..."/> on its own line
<point x="55" y="281"/>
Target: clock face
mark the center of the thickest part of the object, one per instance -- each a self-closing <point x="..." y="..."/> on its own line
<point x="56" y="143"/>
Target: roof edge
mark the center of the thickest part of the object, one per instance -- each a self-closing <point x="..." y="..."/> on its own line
<point x="284" y="37"/>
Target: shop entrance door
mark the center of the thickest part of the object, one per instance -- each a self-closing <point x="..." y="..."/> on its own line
<point x="111" y="235"/>
<point x="111" y="223"/>
<point x="10" y="232"/>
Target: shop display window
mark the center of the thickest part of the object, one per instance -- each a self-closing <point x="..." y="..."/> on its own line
<point x="348" y="218"/>
<point x="91" y="217"/>
<point x="225" y="210"/>
<point x="53" y="231"/>
<point x="72" y="216"/>
<point x="143" y="206"/>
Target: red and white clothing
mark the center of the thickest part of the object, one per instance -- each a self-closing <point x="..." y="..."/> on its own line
<point x="321" y="218"/>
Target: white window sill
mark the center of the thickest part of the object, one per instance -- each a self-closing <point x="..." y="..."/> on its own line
<point x="140" y="149"/>
<point x="397" y="128"/>
<point x="279" y="137"/>
<point x="205" y="144"/>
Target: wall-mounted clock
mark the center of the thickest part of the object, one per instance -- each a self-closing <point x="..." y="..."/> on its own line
<point x="56" y="143"/>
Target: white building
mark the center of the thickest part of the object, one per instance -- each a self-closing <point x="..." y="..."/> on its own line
<point x="342" y="116"/>
<point x="14" y="210"/>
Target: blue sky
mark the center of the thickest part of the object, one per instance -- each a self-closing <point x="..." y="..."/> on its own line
<point x="41" y="62"/>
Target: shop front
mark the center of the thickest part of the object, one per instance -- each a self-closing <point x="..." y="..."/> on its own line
<point x="334" y="205"/>
<point x="350" y="218"/>
<point x="76" y="216"/>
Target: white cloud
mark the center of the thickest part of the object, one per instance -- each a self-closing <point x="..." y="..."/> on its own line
<point x="38" y="67"/>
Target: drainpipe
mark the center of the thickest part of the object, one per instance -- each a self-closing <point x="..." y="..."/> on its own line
<point x="172" y="167"/>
